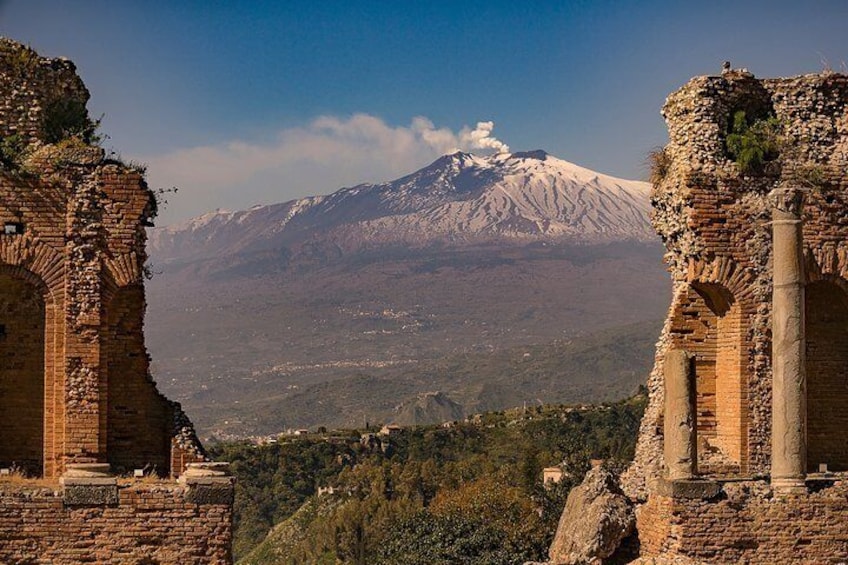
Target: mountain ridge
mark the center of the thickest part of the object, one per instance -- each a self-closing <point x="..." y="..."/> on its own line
<point x="337" y="308"/>
<point x="457" y="199"/>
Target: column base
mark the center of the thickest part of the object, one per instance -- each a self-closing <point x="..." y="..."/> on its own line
<point x="89" y="484"/>
<point x="206" y="472"/>
<point x="793" y="485"/>
<point x="694" y="488"/>
<point x="208" y="482"/>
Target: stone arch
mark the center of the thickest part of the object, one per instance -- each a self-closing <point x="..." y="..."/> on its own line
<point x="43" y="267"/>
<point x="25" y="362"/>
<point x="725" y="272"/>
<point x="826" y="331"/>
<point x="123" y="269"/>
<point x="38" y="259"/>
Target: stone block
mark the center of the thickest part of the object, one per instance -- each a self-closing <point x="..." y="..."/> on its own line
<point x="214" y="491"/>
<point x="689" y="488"/>
<point x="596" y="519"/>
<point x="90" y="494"/>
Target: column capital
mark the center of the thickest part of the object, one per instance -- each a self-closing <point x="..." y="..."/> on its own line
<point x="207" y="472"/>
<point x="787" y="201"/>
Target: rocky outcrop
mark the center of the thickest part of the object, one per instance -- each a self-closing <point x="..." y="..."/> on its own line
<point x="596" y="519"/>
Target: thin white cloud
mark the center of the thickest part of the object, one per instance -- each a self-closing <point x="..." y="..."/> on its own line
<point x="328" y="153"/>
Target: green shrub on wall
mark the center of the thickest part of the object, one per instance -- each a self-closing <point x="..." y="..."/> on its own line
<point x="753" y="143"/>
<point x="20" y="61"/>
<point x="11" y="149"/>
<point x="68" y="117"/>
<point x="659" y="165"/>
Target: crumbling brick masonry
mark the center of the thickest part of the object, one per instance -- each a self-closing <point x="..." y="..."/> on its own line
<point x="757" y="239"/>
<point x="76" y="398"/>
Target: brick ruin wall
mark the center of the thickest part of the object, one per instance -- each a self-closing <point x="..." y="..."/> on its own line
<point x="22" y="355"/>
<point x="72" y="307"/>
<point x="715" y="222"/>
<point x="75" y="386"/>
<point x="747" y="525"/>
<point x="150" y="524"/>
<point x="32" y="84"/>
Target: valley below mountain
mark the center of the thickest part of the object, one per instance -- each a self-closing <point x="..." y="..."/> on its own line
<point x="473" y="284"/>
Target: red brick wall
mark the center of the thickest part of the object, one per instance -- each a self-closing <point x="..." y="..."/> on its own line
<point x="712" y="330"/>
<point x="152" y="524"/>
<point x="181" y="457"/>
<point x="731" y="387"/>
<point x="716" y="223"/>
<point x="715" y="220"/>
<point x="83" y="249"/>
<point x="827" y="376"/>
<point x="139" y="423"/>
<point x="74" y="381"/>
<point x="654" y="525"/>
<point x="22" y="316"/>
<point x="748" y="525"/>
<point x="694" y="328"/>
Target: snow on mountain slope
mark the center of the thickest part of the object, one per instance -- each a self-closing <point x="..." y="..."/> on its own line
<point x="459" y="197"/>
<point x="532" y="195"/>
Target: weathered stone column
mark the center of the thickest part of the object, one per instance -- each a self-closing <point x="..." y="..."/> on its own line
<point x="789" y="384"/>
<point x="679" y="426"/>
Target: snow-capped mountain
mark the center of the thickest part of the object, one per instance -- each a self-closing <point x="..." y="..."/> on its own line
<point x="336" y="309"/>
<point x="458" y="198"/>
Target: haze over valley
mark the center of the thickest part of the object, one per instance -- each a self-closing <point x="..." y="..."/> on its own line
<point x="475" y="283"/>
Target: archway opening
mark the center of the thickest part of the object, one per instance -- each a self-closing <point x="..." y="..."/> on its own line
<point x="22" y="326"/>
<point x="709" y="324"/>
<point x="826" y="316"/>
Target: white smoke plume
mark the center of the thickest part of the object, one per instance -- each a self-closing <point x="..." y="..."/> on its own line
<point x="443" y="140"/>
<point x="481" y="138"/>
<point x="327" y="153"/>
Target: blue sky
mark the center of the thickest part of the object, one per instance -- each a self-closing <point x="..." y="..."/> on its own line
<point x="239" y="103"/>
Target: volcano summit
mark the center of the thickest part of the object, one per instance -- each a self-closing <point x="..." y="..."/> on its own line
<point x="334" y="309"/>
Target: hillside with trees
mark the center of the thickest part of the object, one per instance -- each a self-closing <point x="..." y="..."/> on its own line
<point x="463" y="492"/>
